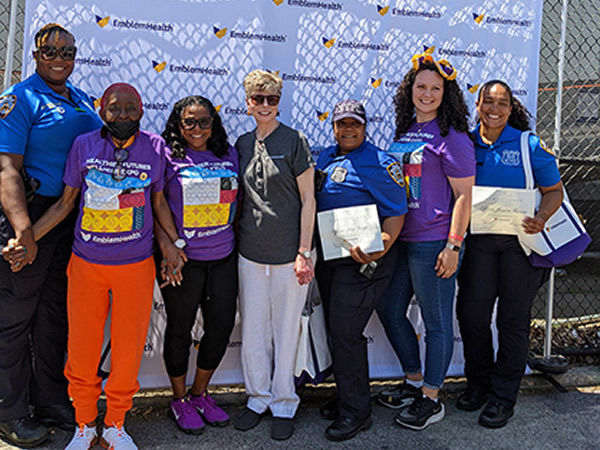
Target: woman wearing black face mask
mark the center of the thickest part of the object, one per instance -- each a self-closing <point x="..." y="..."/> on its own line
<point x="119" y="171"/>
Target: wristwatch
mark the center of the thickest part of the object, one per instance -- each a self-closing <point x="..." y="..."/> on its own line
<point x="180" y="243"/>
<point x="306" y="254"/>
<point x="452" y="247"/>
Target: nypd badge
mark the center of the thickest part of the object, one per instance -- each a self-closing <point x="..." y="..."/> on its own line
<point x="7" y="103"/>
<point x="339" y="174"/>
<point x="544" y="147"/>
<point x="395" y="171"/>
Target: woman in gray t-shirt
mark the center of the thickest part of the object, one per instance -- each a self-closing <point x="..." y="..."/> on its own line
<point x="275" y="259"/>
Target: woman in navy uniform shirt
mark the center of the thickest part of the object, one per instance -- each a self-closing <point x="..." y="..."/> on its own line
<point x="39" y="120"/>
<point x="355" y="172"/>
<point x="495" y="265"/>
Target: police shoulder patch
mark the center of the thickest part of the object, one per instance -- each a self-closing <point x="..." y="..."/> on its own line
<point x="544" y="147"/>
<point x="7" y="103"/>
<point x="395" y="172"/>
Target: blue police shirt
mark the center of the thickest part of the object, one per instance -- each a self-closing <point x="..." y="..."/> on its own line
<point x="500" y="164"/>
<point x="364" y="176"/>
<point x="41" y="125"/>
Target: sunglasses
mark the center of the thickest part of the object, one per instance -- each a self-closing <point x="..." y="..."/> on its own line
<point x="444" y="68"/>
<point x="190" y="123"/>
<point x="272" y="100"/>
<point x="49" y="52"/>
<point x="120" y="155"/>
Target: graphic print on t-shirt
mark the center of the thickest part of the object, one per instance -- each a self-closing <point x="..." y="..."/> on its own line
<point x="208" y="195"/>
<point x="113" y="206"/>
<point x="410" y="156"/>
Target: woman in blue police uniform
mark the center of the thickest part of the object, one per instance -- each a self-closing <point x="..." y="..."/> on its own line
<point x="39" y="119"/>
<point x="355" y="172"/>
<point x="495" y="265"/>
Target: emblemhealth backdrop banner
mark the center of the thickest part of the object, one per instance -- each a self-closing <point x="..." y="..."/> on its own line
<point x="325" y="51"/>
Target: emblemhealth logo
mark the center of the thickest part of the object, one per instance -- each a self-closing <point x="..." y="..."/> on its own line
<point x="159" y="67"/>
<point x="376" y="82"/>
<point x="472" y="88"/>
<point x="328" y="42"/>
<point x="322" y="115"/>
<point x="478" y="18"/>
<point x="102" y="21"/>
<point x="382" y="10"/>
<point x="278" y="2"/>
<point x="218" y="108"/>
<point x="219" y="32"/>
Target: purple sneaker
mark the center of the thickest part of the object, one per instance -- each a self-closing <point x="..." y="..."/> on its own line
<point x="183" y="412"/>
<point x="208" y="409"/>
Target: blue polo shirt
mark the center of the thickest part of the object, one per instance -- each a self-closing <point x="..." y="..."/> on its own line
<point x="364" y="176"/>
<point x="500" y="164"/>
<point x="41" y="125"/>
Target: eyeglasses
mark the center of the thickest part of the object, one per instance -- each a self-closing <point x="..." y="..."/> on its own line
<point x="49" y="52"/>
<point x="190" y="123"/>
<point x="444" y="68"/>
<point x="120" y="155"/>
<point x="272" y="100"/>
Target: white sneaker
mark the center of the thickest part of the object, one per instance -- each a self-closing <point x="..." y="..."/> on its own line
<point x="116" y="438"/>
<point x="84" y="438"/>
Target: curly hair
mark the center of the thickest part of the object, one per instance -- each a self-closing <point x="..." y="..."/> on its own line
<point x="452" y="112"/>
<point x="47" y="30"/>
<point x="261" y="80"/>
<point x="520" y="118"/>
<point x="217" y="142"/>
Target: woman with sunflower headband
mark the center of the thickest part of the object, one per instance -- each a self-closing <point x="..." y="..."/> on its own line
<point x="437" y="157"/>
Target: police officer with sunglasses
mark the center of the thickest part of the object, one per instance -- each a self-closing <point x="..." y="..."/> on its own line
<point x="39" y="119"/>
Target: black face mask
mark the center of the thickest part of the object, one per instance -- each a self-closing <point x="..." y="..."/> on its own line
<point x="123" y="130"/>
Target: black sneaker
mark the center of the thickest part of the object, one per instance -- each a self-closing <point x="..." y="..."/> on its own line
<point x="421" y="413"/>
<point x="399" y="396"/>
<point x="23" y="432"/>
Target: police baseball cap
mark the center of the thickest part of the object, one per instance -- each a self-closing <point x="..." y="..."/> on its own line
<point x="349" y="108"/>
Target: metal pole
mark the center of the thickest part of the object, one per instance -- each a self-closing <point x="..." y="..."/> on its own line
<point x="10" y="44"/>
<point x="557" y="130"/>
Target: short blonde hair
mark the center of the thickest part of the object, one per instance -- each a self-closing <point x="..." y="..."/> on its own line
<point x="261" y="80"/>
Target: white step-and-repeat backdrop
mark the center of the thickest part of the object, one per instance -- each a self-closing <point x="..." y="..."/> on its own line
<point x="325" y="51"/>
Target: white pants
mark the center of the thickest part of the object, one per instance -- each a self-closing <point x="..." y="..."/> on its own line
<point x="271" y="303"/>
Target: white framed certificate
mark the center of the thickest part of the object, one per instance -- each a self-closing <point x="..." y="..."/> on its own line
<point x="500" y="210"/>
<point x="343" y="228"/>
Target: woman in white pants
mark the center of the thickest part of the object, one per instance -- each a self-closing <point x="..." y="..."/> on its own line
<point x="275" y="258"/>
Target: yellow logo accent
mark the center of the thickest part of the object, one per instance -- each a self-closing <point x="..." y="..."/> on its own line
<point x="199" y="216"/>
<point x="322" y="115"/>
<point x="218" y="108"/>
<point x="478" y="18"/>
<point x="159" y="67"/>
<point x="376" y="82"/>
<point x="544" y="147"/>
<point x="7" y="103"/>
<point x="395" y="172"/>
<point x="143" y="176"/>
<point x="472" y="88"/>
<point x="219" y="32"/>
<point x="328" y="42"/>
<point x="97" y="103"/>
<point x="382" y="11"/>
<point x="278" y="2"/>
<point x="102" y="21"/>
<point x="107" y="221"/>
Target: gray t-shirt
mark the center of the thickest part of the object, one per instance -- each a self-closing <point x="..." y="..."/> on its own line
<point x="269" y="223"/>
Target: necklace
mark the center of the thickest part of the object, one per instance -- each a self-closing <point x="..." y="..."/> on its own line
<point x="423" y="125"/>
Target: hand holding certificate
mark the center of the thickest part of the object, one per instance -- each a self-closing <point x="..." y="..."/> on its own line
<point x="343" y="228"/>
<point x="500" y="210"/>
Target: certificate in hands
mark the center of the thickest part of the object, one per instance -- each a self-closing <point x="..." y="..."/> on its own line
<point x="343" y="228"/>
<point x="500" y="210"/>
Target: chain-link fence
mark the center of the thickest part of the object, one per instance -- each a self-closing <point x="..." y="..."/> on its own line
<point x="577" y="286"/>
<point x="576" y="328"/>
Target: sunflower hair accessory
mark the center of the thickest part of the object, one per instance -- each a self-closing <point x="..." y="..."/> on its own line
<point x="444" y="68"/>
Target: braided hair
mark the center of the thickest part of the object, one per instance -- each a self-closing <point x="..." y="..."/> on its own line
<point x="520" y="117"/>
<point x="217" y="143"/>
<point x="452" y="112"/>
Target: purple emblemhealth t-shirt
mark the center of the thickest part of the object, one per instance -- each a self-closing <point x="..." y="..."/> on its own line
<point x="115" y="223"/>
<point x="202" y="190"/>
<point x="428" y="159"/>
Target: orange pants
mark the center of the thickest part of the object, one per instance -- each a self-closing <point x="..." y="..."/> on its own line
<point x="88" y="305"/>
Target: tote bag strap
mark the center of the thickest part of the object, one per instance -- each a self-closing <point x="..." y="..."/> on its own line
<point x="526" y="159"/>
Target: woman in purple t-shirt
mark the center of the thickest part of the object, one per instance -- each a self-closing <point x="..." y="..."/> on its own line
<point x="201" y="187"/>
<point x="438" y="164"/>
